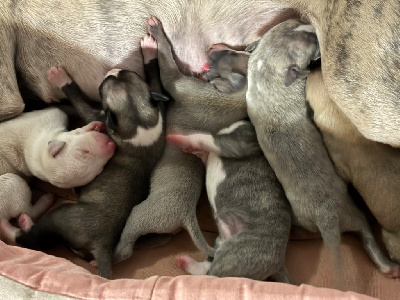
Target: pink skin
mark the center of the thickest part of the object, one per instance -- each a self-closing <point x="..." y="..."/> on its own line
<point x="58" y="76"/>
<point x="93" y="263"/>
<point x="103" y="141"/>
<point x="187" y="145"/>
<point x="149" y="48"/>
<point x="8" y="232"/>
<point x="25" y="222"/>
<point x="183" y="261"/>
<point x="215" y="47"/>
<point x="394" y="272"/>
<point x="192" y="266"/>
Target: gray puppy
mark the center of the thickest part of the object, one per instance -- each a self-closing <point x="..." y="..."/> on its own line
<point x="248" y="203"/>
<point x="178" y="179"/>
<point x="134" y="117"/>
<point x="293" y="145"/>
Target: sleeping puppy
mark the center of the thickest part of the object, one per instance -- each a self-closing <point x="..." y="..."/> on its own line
<point x="294" y="147"/>
<point x="248" y="202"/>
<point x="39" y="144"/>
<point x="178" y="179"/>
<point x="134" y="116"/>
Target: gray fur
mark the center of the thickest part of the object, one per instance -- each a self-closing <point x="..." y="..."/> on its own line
<point x="251" y="202"/>
<point x="92" y="226"/>
<point x="293" y="145"/>
<point x="106" y="34"/>
<point x="177" y="181"/>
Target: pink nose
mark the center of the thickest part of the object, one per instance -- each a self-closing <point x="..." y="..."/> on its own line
<point x="113" y="72"/>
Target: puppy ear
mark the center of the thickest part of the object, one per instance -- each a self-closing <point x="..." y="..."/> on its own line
<point x="158" y="97"/>
<point x="252" y="46"/>
<point x="293" y="72"/>
<point x="54" y="147"/>
<point x="238" y="81"/>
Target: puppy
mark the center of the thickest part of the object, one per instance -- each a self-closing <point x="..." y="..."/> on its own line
<point x="15" y="201"/>
<point x="248" y="203"/>
<point x="360" y="61"/>
<point x="371" y="167"/>
<point x="178" y="179"/>
<point x="38" y="144"/>
<point x="134" y="116"/>
<point x="292" y="144"/>
<point x="108" y="36"/>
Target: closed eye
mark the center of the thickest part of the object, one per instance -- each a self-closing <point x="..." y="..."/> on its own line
<point x="111" y="116"/>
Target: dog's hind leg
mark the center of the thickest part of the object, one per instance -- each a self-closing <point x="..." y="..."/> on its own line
<point x="103" y="256"/>
<point x="357" y="222"/>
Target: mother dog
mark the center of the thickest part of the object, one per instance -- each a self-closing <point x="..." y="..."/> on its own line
<point x="359" y="46"/>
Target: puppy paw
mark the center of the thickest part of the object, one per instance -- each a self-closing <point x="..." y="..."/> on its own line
<point x="58" y="76"/>
<point x="8" y="232"/>
<point x="25" y="222"/>
<point x="154" y="27"/>
<point x="192" y="266"/>
<point x="122" y="253"/>
<point x="183" y="261"/>
<point x="394" y="272"/>
<point x="149" y="48"/>
<point x="93" y="263"/>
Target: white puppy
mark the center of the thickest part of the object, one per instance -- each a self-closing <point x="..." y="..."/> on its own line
<point x="38" y="144"/>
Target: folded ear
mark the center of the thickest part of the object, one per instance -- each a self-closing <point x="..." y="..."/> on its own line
<point x="252" y="46"/>
<point x="158" y="97"/>
<point x="54" y="147"/>
<point x="238" y="81"/>
<point x="293" y="72"/>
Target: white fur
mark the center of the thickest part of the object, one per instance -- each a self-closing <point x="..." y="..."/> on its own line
<point x="24" y="149"/>
<point x="215" y="175"/>
<point x="198" y="268"/>
<point x="147" y="137"/>
<point x="307" y="28"/>
<point x="231" y="128"/>
<point x="259" y="64"/>
<point x="113" y="72"/>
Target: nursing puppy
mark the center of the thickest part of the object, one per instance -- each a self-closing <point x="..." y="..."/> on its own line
<point x="108" y="37"/>
<point x="371" y="167"/>
<point x="277" y="107"/>
<point x="248" y="203"/>
<point x="360" y="61"/>
<point x="39" y="144"/>
<point x="134" y="116"/>
<point x="178" y="179"/>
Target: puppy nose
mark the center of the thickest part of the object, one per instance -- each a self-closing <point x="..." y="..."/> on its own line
<point x="113" y="72"/>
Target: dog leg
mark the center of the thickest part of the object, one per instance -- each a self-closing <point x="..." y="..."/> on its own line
<point x="41" y="205"/>
<point x="25" y="222"/>
<point x="59" y="77"/>
<point x="356" y="221"/>
<point x="176" y="185"/>
<point x="8" y="232"/>
<point x="191" y="266"/>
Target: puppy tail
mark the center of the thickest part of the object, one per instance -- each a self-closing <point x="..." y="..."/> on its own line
<point x="193" y="228"/>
